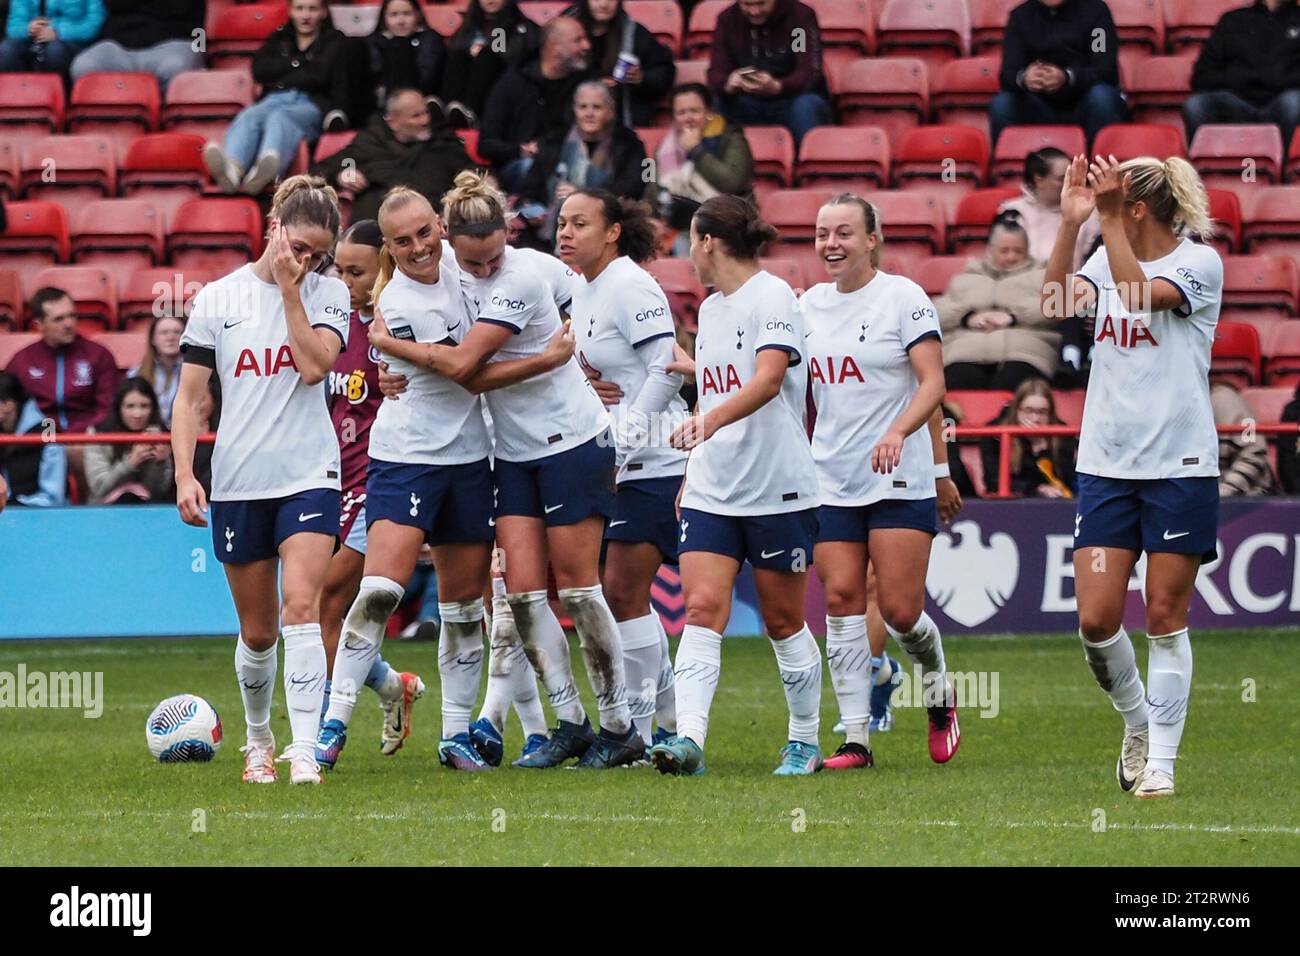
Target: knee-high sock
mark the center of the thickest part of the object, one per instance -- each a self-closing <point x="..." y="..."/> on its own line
<point x="1169" y="685"/>
<point x="363" y="633"/>
<point x="800" y="663"/>
<point x="602" y="650"/>
<point x="848" y="655"/>
<point x="699" y="664"/>
<point x="256" y="673"/>
<point x="460" y="661"/>
<point x="924" y="646"/>
<point x="523" y="692"/>
<point x="666" y="694"/>
<point x="548" y="649"/>
<point x="304" y="680"/>
<point x="503" y="639"/>
<point x="1115" y="668"/>
<point x="641" y="661"/>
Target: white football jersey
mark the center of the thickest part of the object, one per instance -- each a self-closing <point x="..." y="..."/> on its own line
<point x="435" y="421"/>
<point x="1147" y="411"/>
<point x="275" y="437"/>
<point x="761" y="464"/>
<point x="564" y="282"/>
<point x="862" y="380"/>
<point x="614" y="318"/>
<point x="554" y="411"/>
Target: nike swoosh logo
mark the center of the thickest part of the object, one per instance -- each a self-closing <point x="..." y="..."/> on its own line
<point x="553" y="508"/>
<point x="1181" y="534"/>
<point x="615" y="524"/>
<point x="765" y="555"/>
<point x="453" y="328"/>
<point x="303" y="517"/>
<point x="231" y="325"/>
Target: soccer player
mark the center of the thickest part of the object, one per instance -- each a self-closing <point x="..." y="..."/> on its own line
<point x="354" y="400"/>
<point x="1148" y="449"/>
<point x="271" y="330"/>
<point x="625" y="334"/>
<point x="876" y="366"/>
<point x="750" y="492"/>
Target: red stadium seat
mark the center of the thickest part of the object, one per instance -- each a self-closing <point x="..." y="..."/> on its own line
<point x="31" y="101"/>
<point x="773" y="150"/>
<point x="978" y="407"/>
<point x="853" y="158"/>
<point x="127" y="348"/>
<point x="469" y="139"/>
<point x="205" y="101"/>
<point x="165" y="290"/>
<point x="935" y="274"/>
<point x="1156" y="88"/>
<point x="699" y="30"/>
<point x="14" y="342"/>
<point x="794" y="213"/>
<point x="542" y="12"/>
<point x="1268" y="403"/>
<point x="1283" y="366"/>
<point x="68" y="169"/>
<point x="969" y="232"/>
<point x="220" y="233"/>
<point x="444" y="21"/>
<point x="1230" y="152"/>
<point x="682" y="286"/>
<point x="1293" y="158"/>
<point x="931" y="30"/>
<point x="1261" y="283"/>
<point x="847" y="28"/>
<point x="36" y="236"/>
<point x="893" y="94"/>
<point x="988" y="22"/>
<point x="1236" y="352"/>
<point x="910" y="220"/>
<point x="120" y="106"/>
<point x="166" y="169"/>
<point x="931" y="154"/>
<point x="11" y="300"/>
<point x="1129" y="140"/>
<point x="663" y="18"/>
<point x="963" y="90"/>
<point x="331" y="143"/>
<point x="1017" y="142"/>
<point x="239" y="31"/>
<point x="8" y="168"/>
<point x="1225" y="210"/>
<point x="355" y="20"/>
<point x="93" y="292"/>
<point x="651" y="137"/>
<point x="1188" y="22"/>
<point x="1272" y="221"/>
<point x="692" y="71"/>
<point x="1140" y="25"/>
<point x="1069" y="405"/>
<point x="122" y="234"/>
<point x="788" y="270"/>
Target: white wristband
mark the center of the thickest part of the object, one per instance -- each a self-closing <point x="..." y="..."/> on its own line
<point x="941" y="471"/>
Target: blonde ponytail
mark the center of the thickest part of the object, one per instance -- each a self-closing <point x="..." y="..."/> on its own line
<point x="394" y="199"/>
<point x="307" y="200"/>
<point x="1174" y="193"/>
<point x="474" y="201"/>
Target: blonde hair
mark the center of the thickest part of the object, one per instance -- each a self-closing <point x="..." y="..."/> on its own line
<point x="474" y="200"/>
<point x="308" y="200"/>
<point x="870" y="216"/>
<point x="396" y="198"/>
<point x="1173" y="192"/>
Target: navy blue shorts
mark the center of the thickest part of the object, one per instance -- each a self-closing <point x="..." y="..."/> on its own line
<point x="836" y="523"/>
<point x="451" y="504"/>
<point x="645" y="511"/>
<point x="781" y="542"/>
<point x="1160" y="515"/>
<point x="561" y="489"/>
<point x="244" y="531"/>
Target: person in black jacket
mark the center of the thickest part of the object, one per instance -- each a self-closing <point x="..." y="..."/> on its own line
<point x="534" y="102"/>
<point x="303" y="81"/>
<point x="646" y="71"/>
<point x="493" y="37"/>
<point x="1249" y="70"/>
<point x="1060" y="65"/>
<point x="1040" y="467"/>
<point x="1288" y="465"/>
<point x="146" y="36"/>
<point x="404" y="53"/>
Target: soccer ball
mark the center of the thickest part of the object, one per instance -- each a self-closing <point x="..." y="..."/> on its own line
<point x="183" y="729"/>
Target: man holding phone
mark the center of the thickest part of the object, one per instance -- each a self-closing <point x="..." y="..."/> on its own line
<point x="44" y="35"/>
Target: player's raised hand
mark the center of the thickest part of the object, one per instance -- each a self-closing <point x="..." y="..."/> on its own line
<point x="285" y="267"/>
<point x="561" y="347"/>
<point x="191" y="502"/>
<point x="887" y="453"/>
<point x="1077" y="200"/>
<point x="1109" y="185"/>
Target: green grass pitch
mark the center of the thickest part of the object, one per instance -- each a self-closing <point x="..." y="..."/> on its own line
<point x="1033" y="785"/>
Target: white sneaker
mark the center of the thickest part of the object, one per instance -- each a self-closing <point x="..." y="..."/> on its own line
<point x="262" y="174"/>
<point x="259" y="762"/>
<point x="1154" y="783"/>
<point x="1132" y="758"/>
<point x="225" y="171"/>
<point x="303" y="767"/>
<point x="397" y="715"/>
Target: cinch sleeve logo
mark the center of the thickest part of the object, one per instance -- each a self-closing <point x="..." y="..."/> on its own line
<point x="501" y="302"/>
<point x="922" y="313"/>
<point x="335" y="311"/>
<point x="656" y="313"/>
<point x="1188" y="276"/>
<point x="775" y="325"/>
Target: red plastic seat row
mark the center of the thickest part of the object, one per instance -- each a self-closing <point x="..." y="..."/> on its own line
<point x="101" y="301"/>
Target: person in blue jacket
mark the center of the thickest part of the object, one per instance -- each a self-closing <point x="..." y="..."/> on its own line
<point x="44" y="35"/>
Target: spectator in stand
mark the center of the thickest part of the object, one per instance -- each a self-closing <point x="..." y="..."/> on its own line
<point x="534" y="103"/>
<point x="304" y="86"/>
<point x="131" y="474"/>
<point x="404" y="54"/>
<point x="1243" y="455"/>
<point x="1060" y="66"/>
<point x="161" y="365"/>
<point x="627" y="58"/>
<point x="766" y="65"/>
<point x="1040" y="467"/>
<point x="401" y="147"/>
<point x="146" y="36"/>
<point x="1288" y="464"/>
<point x="34" y="475"/>
<point x="44" y="35"/>
<point x="1249" y="70"/>
<point x="1039" y="205"/>
<point x="994" y="331"/>
<point x="493" y="37"/>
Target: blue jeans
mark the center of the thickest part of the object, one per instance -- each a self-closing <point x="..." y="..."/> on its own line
<point x="278" y="121"/>
<point x="21" y="55"/>
<point x="798" y="113"/>
<point x="515" y="172"/>
<point x="1222" y="106"/>
<point x="164" y="60"/>
<point x="1101" y="106"/>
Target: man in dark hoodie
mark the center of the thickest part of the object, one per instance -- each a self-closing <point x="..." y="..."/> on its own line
<point x="1249" y="70"/>
<point x="146" y="36"/>
<point x="533" y="102"/>
<point x="402" y="147"/>
<point x="766" y="66"/>
<point x="1060" y="66"/>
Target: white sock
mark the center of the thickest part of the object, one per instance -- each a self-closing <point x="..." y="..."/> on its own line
<point x="699" y="663"/>
<point x="800" y="663"/>
<point x="924" y="646"/>
<point x="641" y="660"/>
<point x="848" y="656"/>
<point x="256" y="673"/>
<point x="1116" y="671"/>
<point x="502" y="642"/>
<point x="460" y="662"/>
<point x="882" y="669"/>
<point x="666" y="695"/>
<point x="304" y="680"/>
<point x="390" y="689"/>
<point x="523" y="690"/>
<point x="548" y="649"/>
<point x="603" y="652"/>
<point x="1169" y="685"/>
<point x="359" y="642"/>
